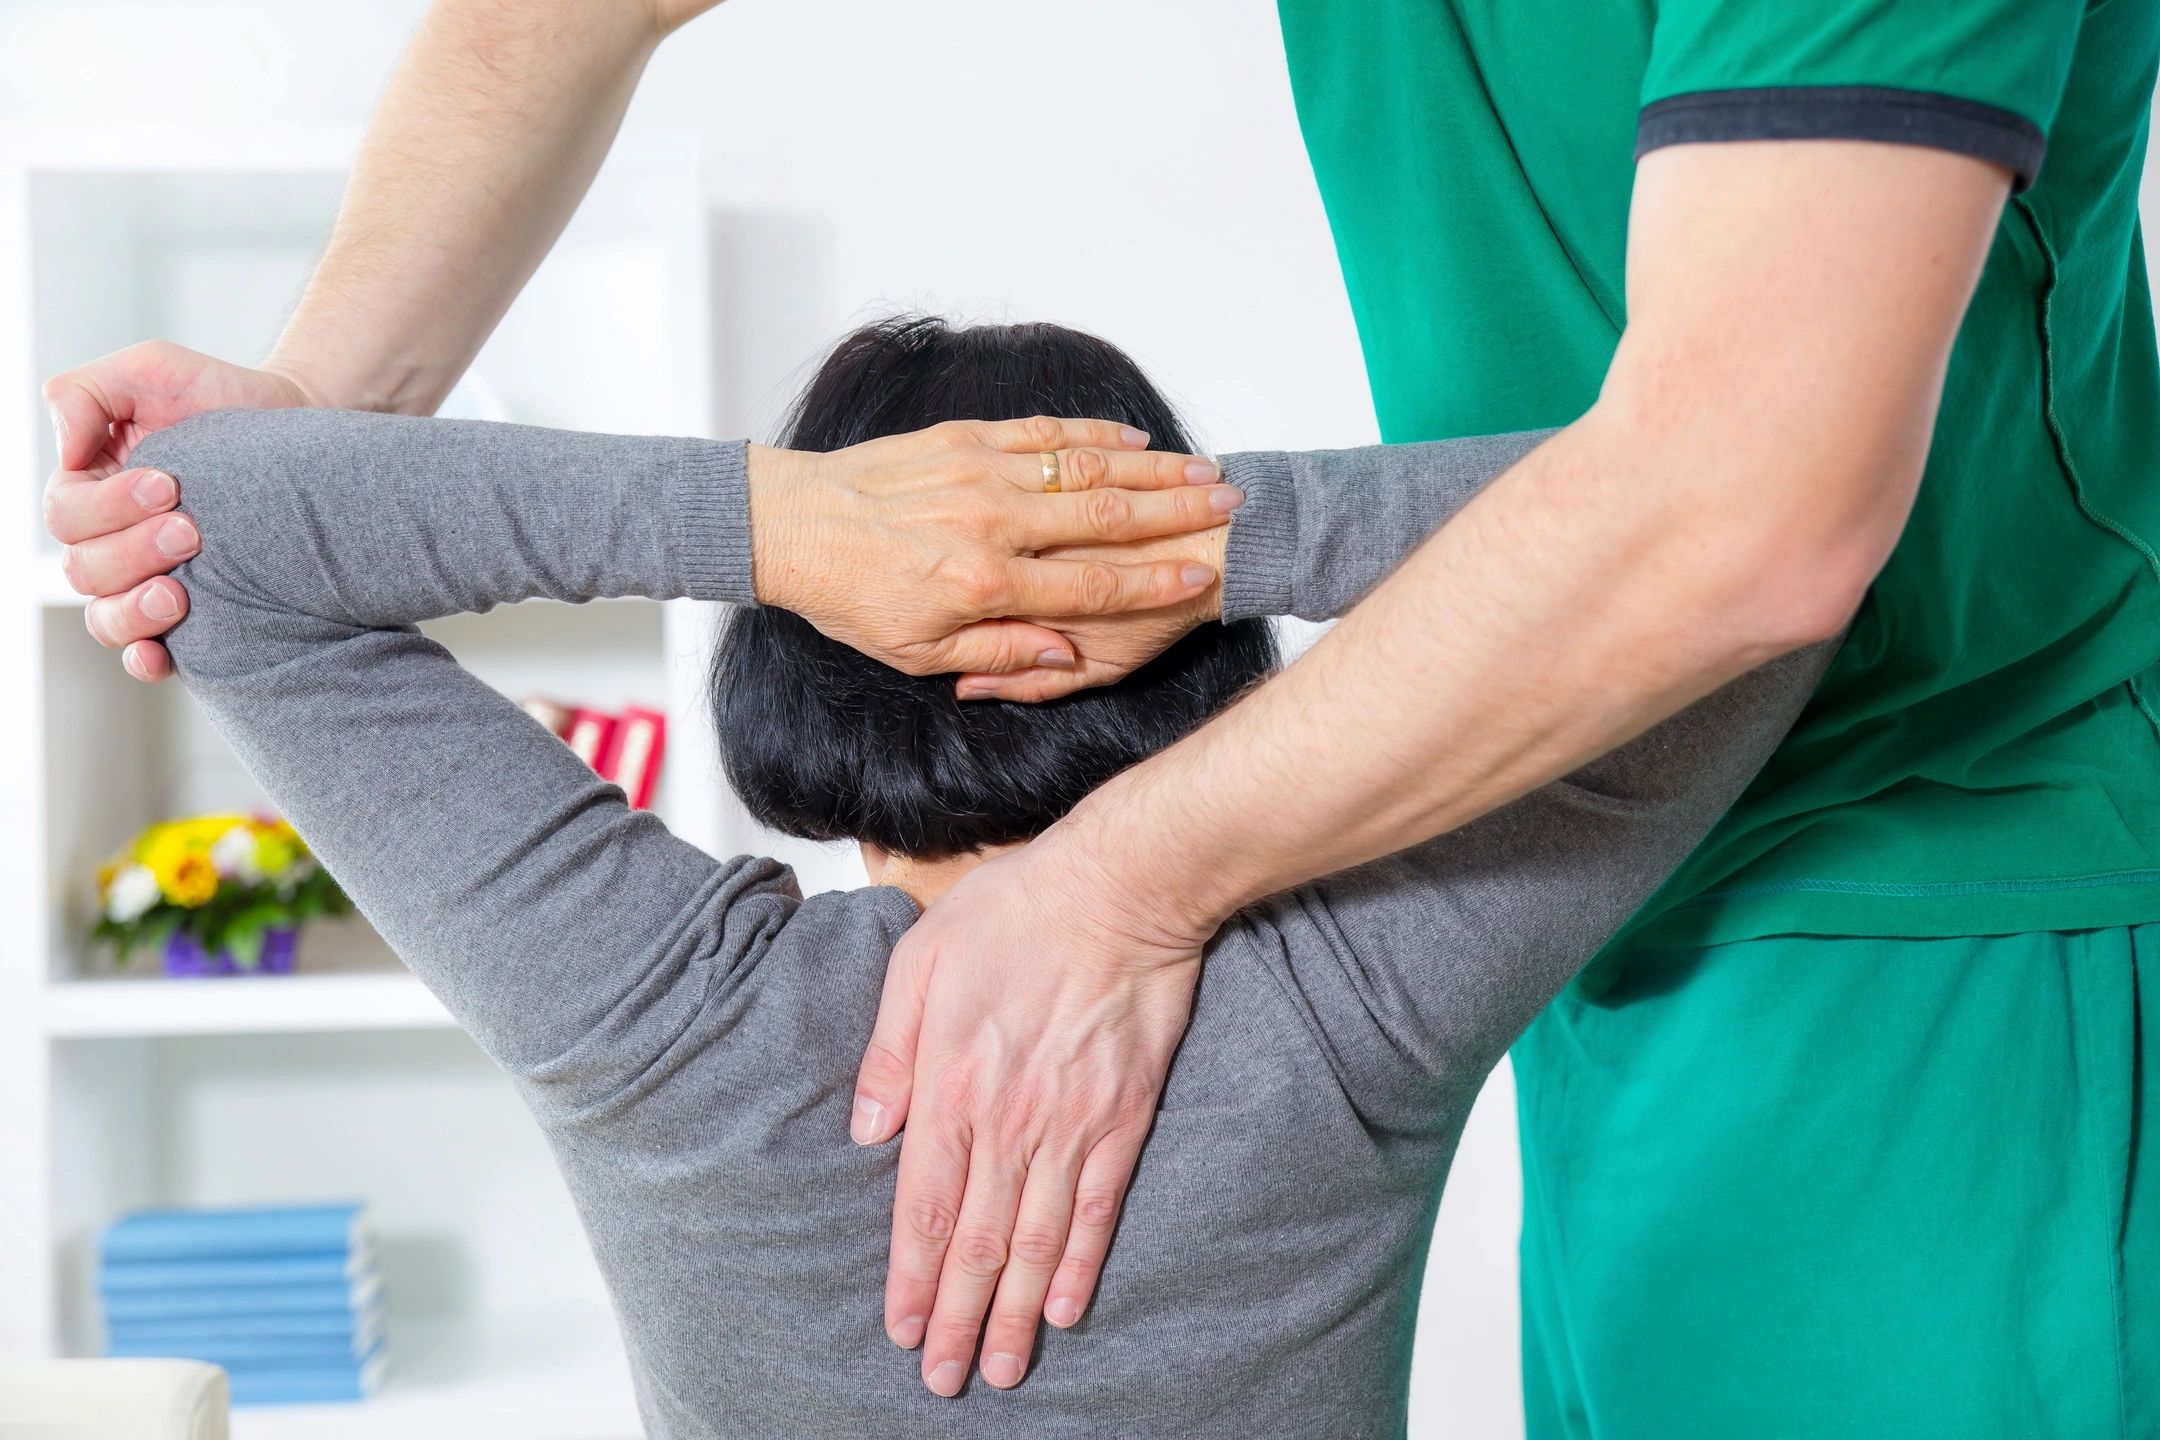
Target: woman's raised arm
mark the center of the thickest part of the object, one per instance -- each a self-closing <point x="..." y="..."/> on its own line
<point x="572" y="936"/>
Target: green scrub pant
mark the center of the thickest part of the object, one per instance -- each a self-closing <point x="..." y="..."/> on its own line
<point x="1846" y="1187"/>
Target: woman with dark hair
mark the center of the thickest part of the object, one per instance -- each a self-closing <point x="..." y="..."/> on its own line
<point x="821" y="741"/>
<point x="686" y="1030"/>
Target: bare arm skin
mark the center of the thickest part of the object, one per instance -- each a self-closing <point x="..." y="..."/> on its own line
<point x="1741" y="479"/>
<point x="487" y="137"/>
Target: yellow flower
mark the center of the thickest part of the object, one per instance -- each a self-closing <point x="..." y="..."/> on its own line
<point x="198" y="832"/>
<point x="278" y="847"/>
<point x="190" y="879"/>
<point x="105" y="875"/>
<point x="178" y="853"/>
<point x="162" y="846"/>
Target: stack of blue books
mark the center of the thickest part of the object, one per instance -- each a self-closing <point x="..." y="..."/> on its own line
<point x="286" y="1300"/>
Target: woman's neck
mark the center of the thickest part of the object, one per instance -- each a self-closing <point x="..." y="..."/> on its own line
<point x="923" y="880"/>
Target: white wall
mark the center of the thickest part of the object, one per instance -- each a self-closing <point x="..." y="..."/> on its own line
<point x="1128" y="166"/>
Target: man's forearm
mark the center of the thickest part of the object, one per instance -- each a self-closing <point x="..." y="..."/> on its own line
<point x="1558" y="616"/>
<point x="1744" y="474"/>
<point x="487" y="137"/>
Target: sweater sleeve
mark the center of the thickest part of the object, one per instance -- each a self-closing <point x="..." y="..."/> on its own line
<point x="575" y="938"/>
<point x="1320" y="528"/>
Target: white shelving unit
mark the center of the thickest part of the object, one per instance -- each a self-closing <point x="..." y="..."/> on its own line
<point x="120" y="1009"/>
<point x="119" y="1090"/>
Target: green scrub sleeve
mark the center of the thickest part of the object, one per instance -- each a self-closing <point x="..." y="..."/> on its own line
<point x="1976" y="77"/>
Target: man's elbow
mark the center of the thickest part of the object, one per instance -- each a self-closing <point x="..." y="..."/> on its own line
<point x="1789" y="582"/>
<point x="1780" y="552"/>
<point x="1788" y="504"/>
<point x="1800" y="599"/>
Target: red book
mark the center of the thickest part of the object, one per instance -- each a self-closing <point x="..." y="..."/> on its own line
<point x="590" y="736"/>
<point x="632" y="759"/>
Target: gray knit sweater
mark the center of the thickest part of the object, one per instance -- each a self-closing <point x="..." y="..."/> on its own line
<point x="686" y="1029"/>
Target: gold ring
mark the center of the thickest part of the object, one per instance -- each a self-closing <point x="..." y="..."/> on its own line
<point x="1052" y="479"/>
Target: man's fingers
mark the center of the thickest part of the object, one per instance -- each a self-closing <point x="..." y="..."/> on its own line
<point x="147" y="661"/>
<point x="1096" y="1202"/>
<point x="82" y="417"/>
<point x="147" y="611"/>
<point x="926" y="1214"/>
<point x="885" y="1080"/>
<point x="1100" y="587"/>
<point x="111" y="564"/>
<point x="1038" y="1244"/>
<point x="981" y="1242"/>
<point x="1097" y="517"/>
<point x="998" y="647"/>
<point x="79" y="507"/>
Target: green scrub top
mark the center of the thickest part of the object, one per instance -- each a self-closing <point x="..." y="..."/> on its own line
<point x="1984" y="756"/>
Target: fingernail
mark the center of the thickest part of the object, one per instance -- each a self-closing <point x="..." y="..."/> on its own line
<point x="868" y="1121"/>
<point x="129" y="663"/>
<point x="1001" y="1369"/>
<point x="176" y="539"/>
<point x="1225" y="498"/>
<point x="59" y="426"/>
<point x="1059" y="658"/>
<point x="1196" y="575"/>
<point x="946" y="1379"/>
<point x="975" y="690"/>
<point x="1137" y="439"/>
<point x="158" y="603"/>
<point x="1062" y="1311"/>
<point x="1202" y="472"/>
<point x="906" y="1333"/>
<point x="155" y="490"/>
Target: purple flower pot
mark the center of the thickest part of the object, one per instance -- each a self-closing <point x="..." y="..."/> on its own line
<point x="185" y="956"/>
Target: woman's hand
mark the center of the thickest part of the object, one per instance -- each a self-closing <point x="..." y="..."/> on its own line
<point x="919" y="549"/>
<point x="1110" y="647"/>
<point x="121" y="542"/>
<point x="1028" y="1081"/>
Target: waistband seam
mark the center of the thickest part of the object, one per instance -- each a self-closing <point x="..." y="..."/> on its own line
<point x="1947" y="889"/>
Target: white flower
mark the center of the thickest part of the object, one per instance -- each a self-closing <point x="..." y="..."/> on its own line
<point x="234" y="855"/>
<point x="132" y="891"/>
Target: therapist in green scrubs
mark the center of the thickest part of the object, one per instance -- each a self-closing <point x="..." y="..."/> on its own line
<point x="1843" y="1138"/>
<point x="1841" y="307"/>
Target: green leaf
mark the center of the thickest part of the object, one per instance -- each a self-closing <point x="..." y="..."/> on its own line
<point x="150" y="932"/>
<point x="243" y="931"/>
<point x="244" y="942"/>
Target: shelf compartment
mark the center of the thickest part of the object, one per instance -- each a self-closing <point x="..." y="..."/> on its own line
<point x="240" y="1005"/>
<point x="501" y="1378"/>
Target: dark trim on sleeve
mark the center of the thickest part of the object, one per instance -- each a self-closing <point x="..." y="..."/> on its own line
<point x="1846" y="112"/>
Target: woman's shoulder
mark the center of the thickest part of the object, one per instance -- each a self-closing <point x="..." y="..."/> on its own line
<point x="826" y="958"/>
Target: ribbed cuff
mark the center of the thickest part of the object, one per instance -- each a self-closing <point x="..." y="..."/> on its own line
<point x="709" y="502"/>
<point x="1260" y="559"/>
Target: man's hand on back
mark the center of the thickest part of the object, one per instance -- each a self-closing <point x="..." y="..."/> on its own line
<point x="121" y="540"/>
<point x="1023" y="1136"/>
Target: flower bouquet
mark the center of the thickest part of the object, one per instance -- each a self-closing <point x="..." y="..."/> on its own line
<point x="221" y="894"/>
